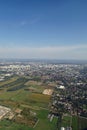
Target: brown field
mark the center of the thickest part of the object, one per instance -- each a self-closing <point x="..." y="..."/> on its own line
<point x="39" y="97"/>
<point x="33" y="83"/>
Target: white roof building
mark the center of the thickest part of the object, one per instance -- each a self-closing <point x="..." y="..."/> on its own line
<point x="61" y="87"/>
<point x="62" y="128"/>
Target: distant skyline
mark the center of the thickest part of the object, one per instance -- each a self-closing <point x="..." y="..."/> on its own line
<point x="48" y="29"/>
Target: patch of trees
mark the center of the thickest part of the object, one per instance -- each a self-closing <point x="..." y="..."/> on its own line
<point x="27" y="114"/>
<point x="19" y="80"/>
<point x="36" y="78"/>
<point x="16" y="88"/>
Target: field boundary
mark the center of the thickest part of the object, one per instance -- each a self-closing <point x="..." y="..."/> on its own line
<point x="36" y="123"/>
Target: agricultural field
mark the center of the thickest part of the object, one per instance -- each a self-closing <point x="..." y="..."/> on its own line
<point x="14" y="96"/>
<point x="13" y="84"/>
<point x="44" y="123"/>
<point x="70" y="121"/>
<point x="34" y="86"/>
<point x="82" y="123"/>
<point x="9" y="125"/>
<point x="18" y="89"/>
<point x="6" y="82"/>
<point x="77" y="123"/>
<point x="32" y="99"/>
<point x="74" y="122"/>
<point x="31" y="82"/>
<point x="66" y="121"/>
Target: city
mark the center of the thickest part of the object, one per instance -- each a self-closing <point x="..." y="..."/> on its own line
<point x="63" y="85"/>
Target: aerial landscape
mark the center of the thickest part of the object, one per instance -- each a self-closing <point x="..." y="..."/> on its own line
<point x="42" y="95"/>
<point x="43" y="65"/>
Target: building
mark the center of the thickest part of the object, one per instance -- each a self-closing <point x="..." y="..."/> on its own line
<point x="48" y="91"/>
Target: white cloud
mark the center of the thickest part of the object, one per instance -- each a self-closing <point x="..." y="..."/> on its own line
<point x="23" y="23"/>
<point x="33" y="21"/>
<point x="29" y="22"/>
<point x="56" y="52"/>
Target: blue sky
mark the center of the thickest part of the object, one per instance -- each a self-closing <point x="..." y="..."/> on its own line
<point x="52" y="29"/>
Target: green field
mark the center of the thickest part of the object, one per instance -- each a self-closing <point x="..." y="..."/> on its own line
<point x="82" y="123"/>
<point x="78" y="123"/>
<point x="44" y="123"/>
<point x="14" y="91"/>
<point x="66" y="121"/>
<point x="19" y="98"/>
<point x="35" y="86"/>
<point x="9" y="125"/>
<point x="75" y="123"/>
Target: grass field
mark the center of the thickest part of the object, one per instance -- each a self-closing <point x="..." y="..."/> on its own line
<point x="37" y="86"/>
<point x="9" y="125"/>
<point x="44" y="123"/>
<point x="75" y="123"/>
<point x="70" y="121"/>
<point x="31" y="82"/>
<point x="33" y="99"/>
<point x="79" y="123"/>
<point x="66" y="121"/>
<point x="82" y="123"/>
<point x="25" y="97"/>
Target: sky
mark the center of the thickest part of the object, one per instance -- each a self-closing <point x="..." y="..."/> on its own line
<point x="43" y="29"/>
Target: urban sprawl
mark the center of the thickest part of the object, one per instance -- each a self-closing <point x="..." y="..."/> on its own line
<point x="65" y="84"/>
